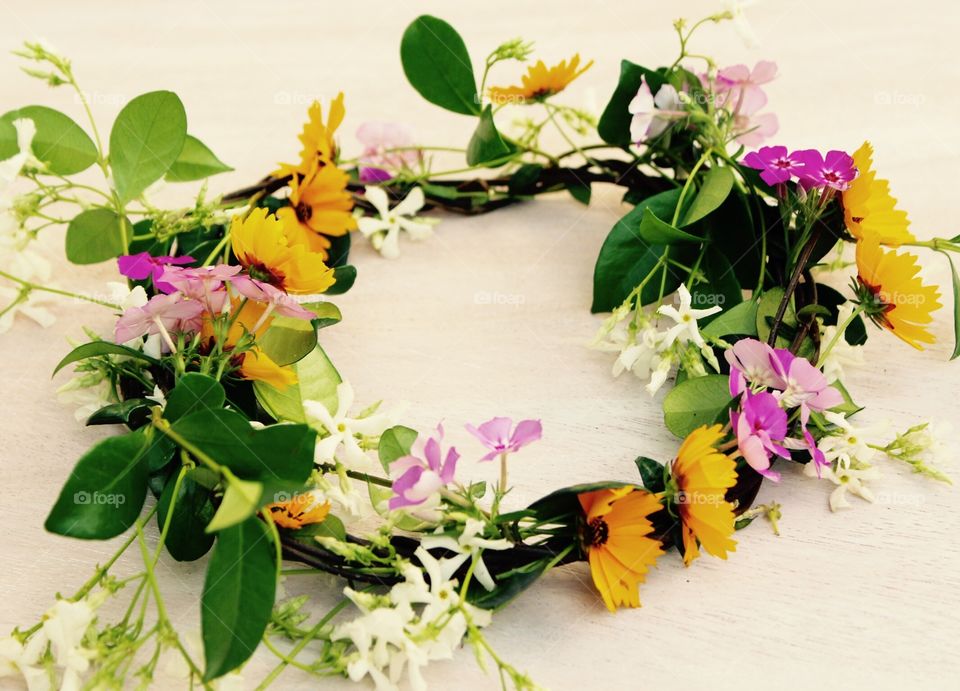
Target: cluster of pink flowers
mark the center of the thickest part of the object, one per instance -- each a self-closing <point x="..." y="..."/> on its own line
<point x="810" y="168"/>
<point x="738" y="89"/>
<point x="188" y="293"/>
<point x="421" y="475"/>
<point x="770" y="382"/>
<point x="387" y="148"/>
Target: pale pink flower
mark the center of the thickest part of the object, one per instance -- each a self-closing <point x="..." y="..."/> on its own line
<point x="497" y="436"/>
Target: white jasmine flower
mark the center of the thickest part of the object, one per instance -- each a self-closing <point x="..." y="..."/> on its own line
<point x="466" y="545"/>
<point x="17" y="659"/>
<point x="89" y="391"/>
<point x="685" y="320"/>
<point x="28" y="303"/>
<point x="10" y="168"/>
<point x="384" y="232"/>
<point x="65" y="626"/>
<point x="735" y="11"/>
<point x="842" y="354"/>
<point x="342" y="430"/>
<point x="848" y="445"/>
<point x="847" y="480"/>
<point x="119" y="293"/>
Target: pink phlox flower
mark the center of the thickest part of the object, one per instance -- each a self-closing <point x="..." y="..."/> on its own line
<point x="379" y="139"/>
<point x="760" y="426"/>
<point x="834" y="171"/>
<point x="754" y="362"/>
<point x="755" y="129"/>
<point x="775" y="163"/>
<point x="808" y="444"/>
<point x="422" y="474"/>
<point x="280" y="302"/>
<point x="497" y="436"/>
<point x="738" y="88"/>
<point x="162" y="313"/>
<point x="202" y="283"/>
<point x="142" y="265"/>
<point x="804" y="386"/>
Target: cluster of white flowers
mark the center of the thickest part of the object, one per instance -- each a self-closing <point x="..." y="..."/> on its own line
<point x="648" y="352"/>
<point x="54" y="657"/>
<point x="842" y="354"/>
<point x="418" y="621"/>
<point x="341" y="445"/>
<point x="851" y="455"/>
<point x="383" y="232"/>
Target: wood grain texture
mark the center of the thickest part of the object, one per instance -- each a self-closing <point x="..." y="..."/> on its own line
<point x="491" y="317"/>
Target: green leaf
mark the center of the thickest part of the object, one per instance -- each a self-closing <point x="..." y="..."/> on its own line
<point x="344" y="276"/>
<point x="721" y="287"/>
<point x="437" y="64"/>
<point x="59" y="142"/>
<point x="487" y="146"/>
<point x="717" y="183"/>
<point x="956" y="307"/>
<point x="187" y="539"/>
<point x="147" y="137"/>
<point x="105" y="492"/>
<point x="330" y="527"/>
<point x="327" y="313"/>
<point x="856" y="333"/>
<point x="317" y="380"/>
<point x="238" y="596"/>
<point x="848" y="407"/>
<point x="395" y="443"/>
<point x="132" y="411"/>
<point x="695" y="402"/>
<point x="657" y="232"/>
<point x="651" y="473"/>
<point x="193" y="392"/>
<point x="241" y="500"/>
<point x="524" y="178"/>
<point x="289" y="340"/>
<point x="195" y="162"/>
<point x="509" y="586"/>
<point x="563" y="503"/>
<point x="740" y="320"/>
<point x="97" y="348"/>
<point x="614" y="124"/>
<point x="580" y="191"/>
<point x="94" y="236"/>
<point x="626" y="259"/>
<point x="767" y="311"/>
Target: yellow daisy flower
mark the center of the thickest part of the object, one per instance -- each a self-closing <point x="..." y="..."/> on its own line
<point x="320" y="206"/>
<point x="870" y="211"/>
<point x="257" y="366"/>
<point x="615" y="536"/>
<point x="893" y="293"/>
<point x="540" y="82"/>
<point x="262" y="247"/>
<point x="703" y="475"/>
<point x="298" y="512"/>
<point x="317" y="138"/>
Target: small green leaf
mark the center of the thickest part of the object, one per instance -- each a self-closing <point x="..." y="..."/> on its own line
<point x="717" y="183"/>
<point x="195" y="162"/>
<point x="240" y="501"/>
<point x="437" y="64"/>
<point x="193" y="392"/>
<point x="487" y="146"/>
<point x="238" y="596"/>
<point x="956" y="307"/>
<point x="132" y="411"/>
<point x="651" y="473"/>
<point x="147" y="137"/>
<point x="740" y="320"/>
<point x="330" y="527"/>
<point x="187" y="539"/>
<point x="344" y="275"/>
<point x="696" y="402"/>
<point x="59" y="142"/>
<point x="94" y="236"/>
<point x="767" y="312"/>
<point x="395" y="443"/>
<point x="97" y="348"/>
<point x="105" y="492"/>
<point x="657" y="232"/>
<point x="848" y="407"/>
<point x="327" y="313"/>
<point x="721" y="288"/>
<point x="289" y="340"/>
<point x="614" y="124"/>
<point x="317" y="380"/>
<point x="580" y="191"/>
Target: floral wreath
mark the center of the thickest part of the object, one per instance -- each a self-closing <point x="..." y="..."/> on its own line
<point x="248" y="438"/>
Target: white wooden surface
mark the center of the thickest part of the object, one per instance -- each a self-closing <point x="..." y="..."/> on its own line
<point x="865" y="598"/>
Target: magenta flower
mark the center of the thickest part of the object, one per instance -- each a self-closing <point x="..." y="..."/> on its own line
<point x="164" y="315"/>
<point x="140" y="266"/>
<point x="833" y="171"/>
<point x="369" y="175"/>
<point x="422" y="475"/>
<point x="808" y="444"/>
<point x="278" y="301"/>
<point x="495" y="434"/>
<point x="759" y="427"/>
<point x="755" y="362"/>
<point x="775" y="163"/>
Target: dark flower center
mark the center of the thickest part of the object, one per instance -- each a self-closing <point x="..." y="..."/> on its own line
<point x="265" y="274"/>
<point x="596" y="533"/>
<point x="304" y="212"/>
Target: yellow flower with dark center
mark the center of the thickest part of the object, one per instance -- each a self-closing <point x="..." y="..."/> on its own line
<point x="540" y="82"/>
<point x="320" y="206"/>
<point x="300" y="511"/>
<point x="317" y="138"/>
<point x="703" y="475"/>
<point x="615" y="535"/>
<point x="893" y="294"/>
<point x="263" y="249"/>
<point x="870" y="211"/>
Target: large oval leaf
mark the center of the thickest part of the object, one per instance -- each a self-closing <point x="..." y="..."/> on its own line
<point x="105" y="491"/>
<point x="187" y="538"/>
<point x="716" y="186"/>
<point x="238" y="596"/>
<point x="317" y="381"/>
<point x="195" y="162"/>
<point x="59" y="142"/>
<point x="438" y="65"/>
<point x="147" y="137"/>
<point x="487" y="146"/>
<point x="696" y="402"/>
<point x="194" y="392"/>
<point x="96" y="348"/>
<point x="94" y="236"/>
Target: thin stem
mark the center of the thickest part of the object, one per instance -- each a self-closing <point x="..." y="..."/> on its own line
<point x="56" y="291"/>
<point x="686" y="185"/>
<point x="841" y="329"/>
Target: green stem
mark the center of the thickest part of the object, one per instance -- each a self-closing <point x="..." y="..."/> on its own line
<point x="686" y="185"/>
<point x="841" y="329"/>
